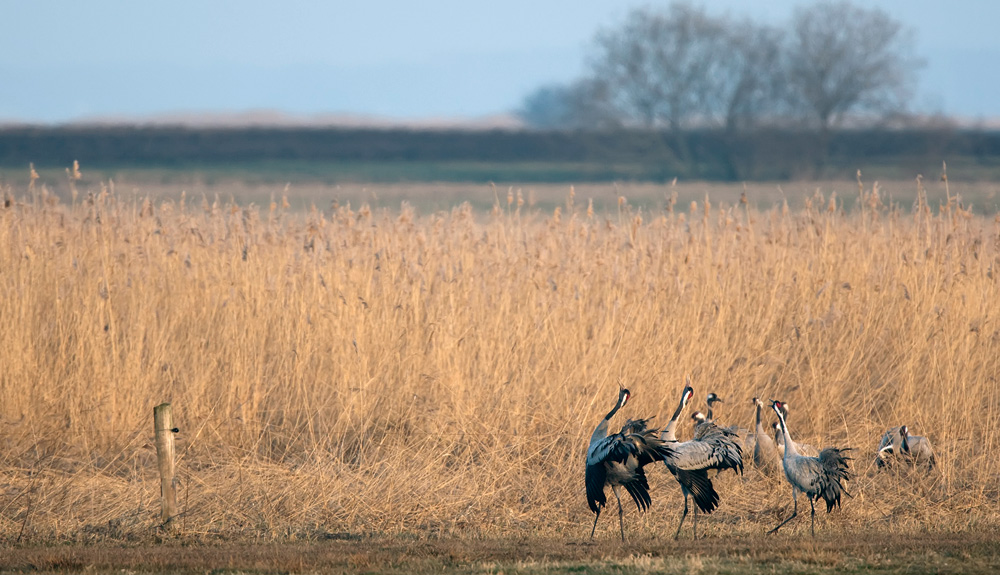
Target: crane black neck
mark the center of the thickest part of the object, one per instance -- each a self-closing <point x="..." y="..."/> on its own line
<point x="622" y="398"/>
<point x="683" y="402"/>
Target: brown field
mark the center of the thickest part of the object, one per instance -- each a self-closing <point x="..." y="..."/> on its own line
<point x="366" y="375"/>
<point x="884" y="554"/>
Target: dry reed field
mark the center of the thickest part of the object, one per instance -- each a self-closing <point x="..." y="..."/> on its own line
<point x="357" y="372"/>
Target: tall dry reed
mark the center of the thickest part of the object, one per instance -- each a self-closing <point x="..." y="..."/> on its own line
<point x="353" y="371"/>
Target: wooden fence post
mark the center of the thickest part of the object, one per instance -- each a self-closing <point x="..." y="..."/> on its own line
<point x="163" y="424"/>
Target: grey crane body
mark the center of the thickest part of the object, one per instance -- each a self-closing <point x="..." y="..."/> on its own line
<point x="820" y="476"/>
<point x="618" y="460"/>
<point x="765" y="453"/>
<point x="897" y="443"/>
<point x="917" y="448"/>
<point x="712" y="449"/>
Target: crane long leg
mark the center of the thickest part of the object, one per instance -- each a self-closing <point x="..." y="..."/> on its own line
<point x="812" y="525"/>
<point x="683" y="515"/>
<point x="596" y="517"/>
<point x="695" y="512"/>
<point x="621" y="513"/>
<point x="795" y="511"/>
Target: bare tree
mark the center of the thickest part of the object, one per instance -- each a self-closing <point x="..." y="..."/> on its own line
<point x="844" y="59"/>
<point x="680" y="67"/>
<point x="660" y="65"/>
<point x="751" y="85"/>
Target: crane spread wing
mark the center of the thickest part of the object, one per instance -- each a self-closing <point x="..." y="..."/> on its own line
<point x="595" y="477"/>
<point x="711" y="448"/>
<point x="623" y="455"/>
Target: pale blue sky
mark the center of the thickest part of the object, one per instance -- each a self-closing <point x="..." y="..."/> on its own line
<point x="62" y="60"/>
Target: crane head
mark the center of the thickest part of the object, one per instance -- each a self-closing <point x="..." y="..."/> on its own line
<point x="778" y="407"/>
<point x="698" y="417"/>
<point x="903" y="431"/>
<point x="623" y="395"/>
<point x="686" y="394"/>
<point x="712" y="398"/>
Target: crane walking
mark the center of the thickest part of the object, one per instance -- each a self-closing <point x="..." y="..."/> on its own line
<point x="816" y="477"/>
<point x="617" y="460"/>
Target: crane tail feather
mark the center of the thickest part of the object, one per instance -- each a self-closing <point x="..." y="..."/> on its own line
<point x="834" y="472"/>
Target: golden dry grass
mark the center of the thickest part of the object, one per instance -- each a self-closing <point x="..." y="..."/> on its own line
<point x="359" y="371"/>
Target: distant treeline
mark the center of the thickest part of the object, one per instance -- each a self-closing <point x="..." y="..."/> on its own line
<point x="706" y="154"/>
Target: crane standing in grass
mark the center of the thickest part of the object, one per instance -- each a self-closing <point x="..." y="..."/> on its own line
<point x="617" y="460"/>
<point x="765" y="454"/>
<point x="711" y="450"/>
<point x="817" y="477"/>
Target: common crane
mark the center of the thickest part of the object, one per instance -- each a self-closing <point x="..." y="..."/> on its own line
<point x="765" y="453"/>
<point x="816" y="477"/>
<point x="617" y="460"/>
<point x="898" y="443"/>
<point x="711" y="450"/>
